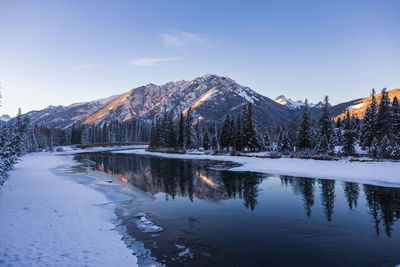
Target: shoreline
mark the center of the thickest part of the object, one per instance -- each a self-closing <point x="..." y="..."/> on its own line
<point x="385" y="173"/>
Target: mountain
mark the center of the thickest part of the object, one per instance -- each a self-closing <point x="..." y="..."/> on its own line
<point x="61" y="116"/>
<point x="210" y="97"/>
<point x="292" y="104"/>
<point x="357" y="107"/>
<point x="4" y="119"/>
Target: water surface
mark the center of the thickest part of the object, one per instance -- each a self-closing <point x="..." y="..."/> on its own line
<point x="213" y="216"/>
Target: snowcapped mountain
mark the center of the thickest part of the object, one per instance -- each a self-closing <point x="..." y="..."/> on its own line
<point x="292" y="104"/>
<point x="4" y="119"/>
<point x="210" y="97"/>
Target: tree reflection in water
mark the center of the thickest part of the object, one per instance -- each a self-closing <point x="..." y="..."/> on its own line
<point x="193" y="179"/>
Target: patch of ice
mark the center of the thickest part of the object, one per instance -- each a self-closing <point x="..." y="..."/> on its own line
<point x="184" y="252"/>
<point x="147" y="226"/>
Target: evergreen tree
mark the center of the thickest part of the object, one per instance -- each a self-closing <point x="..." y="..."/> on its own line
<point x="188" y="129"/>
<point x="304" y="134"/>
<point x="384" y="116"/>
<point x="386" y="148"/>
<point x="348" y="147"/>
<point x="238" y="134"/>
<point x="325" y="139"/>
<point x="170" y="130"/>
<point x="206" y="140"/>
<point x="181" y="131"/>
<point x="396" y="120"/>
<point x="224" y="138"/>
<point x="284" y="143"/>
<point x="368" y="128"/>
<point x="249" y="133"/>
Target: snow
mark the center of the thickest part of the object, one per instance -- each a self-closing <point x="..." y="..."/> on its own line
<point x="358" y="106"/>
<point x="288" y="102"/>
<point x="47" y="219"/>
<point x="386" y="173"/>
<point x="246" y="95"/>
<point x="294" y="104"/>
<point x="5" y="118"/>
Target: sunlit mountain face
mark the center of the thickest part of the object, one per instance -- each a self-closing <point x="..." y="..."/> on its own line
<point x="357" y="108"/>
<point x="210" y="97"/>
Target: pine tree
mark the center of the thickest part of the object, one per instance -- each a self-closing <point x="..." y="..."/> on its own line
<point x="348" y="147"/>
<point x="396" y="151"/>
<point x="325" y="138"/>
<point x="396" y="120"/>
<point x="386" y="148"/>
<point x="238" y="134"/>
<point x="368" y="128"/>
<point x="249" y="133"/>
<point x="170" y="130"/>
<point x="206" y="140"/>
<point x="225" y="133"/>
<point x="304" y="134"/>
<point x="188" y="128"/>
<point x="383" y="123"/>
<point x="181" y="131"/>
<point x="374" y="150"/>
<point x="284" y="143"/>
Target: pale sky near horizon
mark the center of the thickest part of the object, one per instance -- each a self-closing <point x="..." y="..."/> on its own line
<point x="60" y="52"/>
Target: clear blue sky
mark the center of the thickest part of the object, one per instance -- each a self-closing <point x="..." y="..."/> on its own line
<point x="60" y="52"/>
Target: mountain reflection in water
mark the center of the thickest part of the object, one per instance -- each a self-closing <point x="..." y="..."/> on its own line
<point x="200" y="179"/>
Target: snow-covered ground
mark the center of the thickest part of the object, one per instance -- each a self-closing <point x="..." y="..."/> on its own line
<point x="47" y="219"/>
<point x="377" y="173"/>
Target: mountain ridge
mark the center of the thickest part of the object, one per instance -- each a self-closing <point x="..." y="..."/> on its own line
<point x="211" y="97"/>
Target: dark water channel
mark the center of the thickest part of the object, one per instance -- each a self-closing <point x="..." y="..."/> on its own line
<point x="215" y="217"/>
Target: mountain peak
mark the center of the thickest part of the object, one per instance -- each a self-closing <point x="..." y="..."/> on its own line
<point x="292" y="104"/>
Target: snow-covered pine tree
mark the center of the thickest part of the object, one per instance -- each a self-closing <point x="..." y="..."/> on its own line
<point x="396" y="151"/>
<point x="304" y="133"/>
<point x="348" y="136"/>
<point x="325" y="139"/>
<point x="368" y="128"/>
<point x="386" y="148"/>
<point x="374" y="150"/>
<point x="284" y="143"/>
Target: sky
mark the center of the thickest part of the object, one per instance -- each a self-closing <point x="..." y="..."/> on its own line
<point x="60" y="52"/>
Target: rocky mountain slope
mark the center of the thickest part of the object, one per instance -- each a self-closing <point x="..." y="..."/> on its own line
<point x="210" y="97"/>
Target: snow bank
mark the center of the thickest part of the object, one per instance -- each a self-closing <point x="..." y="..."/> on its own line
<point x="376" y="173"/>
<point x="47" y="219"/>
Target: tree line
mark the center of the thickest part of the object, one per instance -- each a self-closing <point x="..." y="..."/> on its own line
<point x="237" y="133"/>
<point x="378" y="132"/>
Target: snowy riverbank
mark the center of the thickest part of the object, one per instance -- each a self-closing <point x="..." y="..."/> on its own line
<point x="46" y="219"/>
<point x="376" y="173"/>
